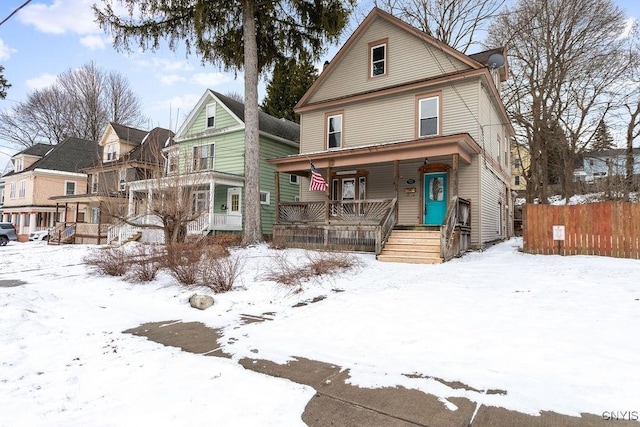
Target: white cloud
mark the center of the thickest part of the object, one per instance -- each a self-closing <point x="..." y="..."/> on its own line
<point x="62" y="16"/>
<point x="209" y="80"/>
<point x="170" y="79"/>
<point x="42" y="81"/>
<point x="629" y="27"/>
<point x="5" y="50"/>
<point x="163" y="64"/>
<point x="95" y="42"/>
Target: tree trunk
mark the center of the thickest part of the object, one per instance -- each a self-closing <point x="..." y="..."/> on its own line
<point x="252" y="223"/>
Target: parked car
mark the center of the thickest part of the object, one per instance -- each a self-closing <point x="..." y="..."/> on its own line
<point x="7" y="232"/>
<point x="39" y="235"/>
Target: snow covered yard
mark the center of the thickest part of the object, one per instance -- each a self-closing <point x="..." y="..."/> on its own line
<point x="555" y="333"/>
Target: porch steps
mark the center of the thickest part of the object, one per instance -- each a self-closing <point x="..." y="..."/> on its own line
<point x="412" y="246"/>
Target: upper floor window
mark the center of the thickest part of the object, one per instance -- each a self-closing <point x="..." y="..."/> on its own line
<point x="378" y="58"/>
<point x="172" y="161"/>
<point x="94" y="183"/>
<point x="18" y="165"/>
<point x="211" y="115"/>
<point x="203" y="156"/>
<point x="69" y="188"/>
<point x="428" y="109"/>
<point x="123" y="179"/>
<point x="334" y="131"/>
<point x="22" y="191"/>
<point x="516" y="163"/>
<point x="112" y="152"/>
<point x="516" y="180"/>
<point x="12" y="190"/>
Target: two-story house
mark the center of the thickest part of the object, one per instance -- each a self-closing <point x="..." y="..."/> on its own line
<point x="42" y="171"/>
<point x="206" y="159"/>
<point x="597" y="165"/>
<point x="127" y="154"/>
<point x="413" y="141"/>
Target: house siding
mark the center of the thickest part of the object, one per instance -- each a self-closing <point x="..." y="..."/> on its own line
<point x="223" y="120"/>
<point x="402" y="48"/>
<point x="393" y="118"/>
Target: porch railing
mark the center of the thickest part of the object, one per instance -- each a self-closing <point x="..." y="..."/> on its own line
<point x="228" y="220"/>
<point x="457" y="218"/>
<point x="385" y="228"/>
<point x="198" y="225"/>
<point x="372" y="211"/>
<point x="62" y="232"/>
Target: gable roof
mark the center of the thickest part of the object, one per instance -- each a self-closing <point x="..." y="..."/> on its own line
<point x="377" y="13"/>
<point x="150" y="148"/>
<point x="281" y="128"/>
<point x="38" y="150"/>
<point x="71" y="155"/>
<point x="128" y="133"/>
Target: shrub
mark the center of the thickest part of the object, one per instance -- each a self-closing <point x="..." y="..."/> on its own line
<point x="226" y="240"/>
<point x="181" y="260"/>
<point x="283" y="271"/>
<point x="110" y="261"/>
<point x="220" y="274"/>
<point x="146" y="261"/>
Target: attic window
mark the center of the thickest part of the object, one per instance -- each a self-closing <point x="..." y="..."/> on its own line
<point x="211" y="115"/>
<point x="378" y="58"/>
<point x="17" y="165"/>
<point x="112" y="153"/>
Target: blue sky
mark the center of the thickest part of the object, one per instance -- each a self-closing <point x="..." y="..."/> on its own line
<point x="49" y="37"/>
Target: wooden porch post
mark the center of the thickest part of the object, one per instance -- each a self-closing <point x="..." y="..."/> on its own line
<point x="100" y="221"/>
<point x="396" y="180"/>
<point x="454" y="174"/>
<point x="276" y="179"/>
<point x="77" y="210"/>
<point x="328" y="197"/>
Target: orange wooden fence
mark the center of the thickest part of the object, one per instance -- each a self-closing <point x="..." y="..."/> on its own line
<point x="606" y="228"/>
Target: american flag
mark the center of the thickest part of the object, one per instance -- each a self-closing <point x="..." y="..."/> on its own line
<point x="317" y="181"/>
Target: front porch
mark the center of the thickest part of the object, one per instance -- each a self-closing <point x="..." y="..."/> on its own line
<point x="415" y="185"/>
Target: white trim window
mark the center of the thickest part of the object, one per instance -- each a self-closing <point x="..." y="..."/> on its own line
<point x="112" y="152"/>
<point x="211" y="116"/>
<point x="265" y="198"/>
<point x="203" y="157"/>
<point x="294" y="179"/>
<point x="172" y="161"/>
<point x="428" y="116"/>
<point x="94" y="183"/>
<point x="334" y="131"/>
<point x="12" y="190"/>
<point x="18" y="165"/>
<point x="123" y="179"/>
<point x="69" y="188"/>
<point x="22" y="189"/>
<point x="379" y="60"/>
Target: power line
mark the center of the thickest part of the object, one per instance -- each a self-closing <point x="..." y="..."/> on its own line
<point x="15" y="11"/>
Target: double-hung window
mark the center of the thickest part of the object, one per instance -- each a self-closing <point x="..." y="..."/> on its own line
<point x="17" y="165"/>
<point x="378" y="59"/>
<point x="111" y="152"/>
<point x="94" y="183"/>
<point x="12" y="190"/>
<point x="69" y="188"/>
<point x="123" y="179"/>
<point x="428" y="120"/>
<point x="334" y="131"/>
<point x="22" y="189"/>
<point x="211" y="115"/>
<point x="203" y="156"/>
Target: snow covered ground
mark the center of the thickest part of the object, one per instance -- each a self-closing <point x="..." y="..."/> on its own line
<point x="556" y="333"/>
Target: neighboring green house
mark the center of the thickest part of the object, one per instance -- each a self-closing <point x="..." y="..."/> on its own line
<point x="207" y="157"/>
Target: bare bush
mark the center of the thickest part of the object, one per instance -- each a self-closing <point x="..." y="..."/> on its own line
<point x="323" y="263"/>
<point x="220" y="274"/>
<point x="146" y="261"/>
<point x="109" y="261"/>
<point x="181" y="259"/>
<point x="226" y="240"/>
<point x="285" y="272"/>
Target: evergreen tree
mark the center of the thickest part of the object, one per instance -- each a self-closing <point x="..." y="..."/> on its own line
<point x="602" y="139"/>
<point x="4" y="84"/>
<point x="238" y="35"/>
<point x="289" y="82"/>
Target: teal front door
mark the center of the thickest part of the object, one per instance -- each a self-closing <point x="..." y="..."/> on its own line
<point x="435" y="198"/>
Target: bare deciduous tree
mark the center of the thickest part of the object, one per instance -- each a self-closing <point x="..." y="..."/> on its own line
<point x="454" y="22"/>
<point x="80" y="104"/>
<point x="565" y="58"/>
